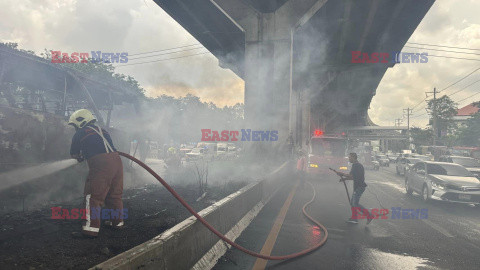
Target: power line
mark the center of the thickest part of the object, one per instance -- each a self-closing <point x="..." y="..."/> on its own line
<point x="455" y="102"/>
<point x="425" y="113"/>
<point x="438" y="50"/>
<point x="162" y="59"/>
<point x="444" y="46"/>
<point x="461" y="79"/>
<point x="166" y="49"/>
<point x="451" y="57"/>
<point x="129" y="59"/>
<point x="468" y="97"/>
<point x="458" y="91"/>
<point x="416" y="116"/>
<point x="463" y="88"/>
<point x="419" y="103"/>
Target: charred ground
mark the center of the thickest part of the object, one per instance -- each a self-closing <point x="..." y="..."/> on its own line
<point x="32" y="240"/>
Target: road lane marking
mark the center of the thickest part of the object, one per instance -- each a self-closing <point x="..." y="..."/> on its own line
<point x="267" y="248"/>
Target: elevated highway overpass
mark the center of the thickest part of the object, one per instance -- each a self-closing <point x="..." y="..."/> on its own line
<point x="295" y="55"/>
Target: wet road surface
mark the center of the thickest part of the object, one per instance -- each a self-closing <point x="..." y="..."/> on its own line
<point x="448" y="239"/>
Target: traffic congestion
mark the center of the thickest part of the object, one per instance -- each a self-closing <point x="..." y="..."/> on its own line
<point x="240" y="134"/>
<point x="440" y="175"/>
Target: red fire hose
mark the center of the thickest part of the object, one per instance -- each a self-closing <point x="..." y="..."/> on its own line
<point x="223" y="237"/>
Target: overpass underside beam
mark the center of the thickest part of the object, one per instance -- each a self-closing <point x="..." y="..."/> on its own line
<point x="287" y="50"/>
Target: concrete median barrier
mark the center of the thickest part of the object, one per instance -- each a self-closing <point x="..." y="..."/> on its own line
<point x="189" y="244"/>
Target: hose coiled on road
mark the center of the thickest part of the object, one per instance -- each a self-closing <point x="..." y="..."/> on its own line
<point x="223" y="237"/>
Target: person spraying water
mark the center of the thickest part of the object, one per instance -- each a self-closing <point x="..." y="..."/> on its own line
<point x="357" y="174"/>
<point x="104" y="183"/>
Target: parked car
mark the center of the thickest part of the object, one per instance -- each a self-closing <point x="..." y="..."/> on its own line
<point x="184" y="151"/>
<point x="392" y="157"/>
<point x="195" y="154"/>
<point x="403" y="164"/>
<point x="422" y="157"/>
<point x="403" y="155"/>
<point x="222" y="150"/>
<point x="471" y="164"/>
<point x="209" y="150"/>
<point x="226" y="151"/>
<point x="383" y="160"/>
<point x="443" y="181"/>
<point x="231" y="147"/>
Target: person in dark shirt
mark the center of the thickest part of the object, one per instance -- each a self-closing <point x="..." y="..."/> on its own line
<point x="104" y="183"/>
<point x="87" y="143"/>
<point x="357" y="174"/>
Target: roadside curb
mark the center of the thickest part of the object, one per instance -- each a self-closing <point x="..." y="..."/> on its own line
<point x="189" y="244"/>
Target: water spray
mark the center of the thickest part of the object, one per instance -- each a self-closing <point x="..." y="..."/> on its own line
<point x="23" y="175"/>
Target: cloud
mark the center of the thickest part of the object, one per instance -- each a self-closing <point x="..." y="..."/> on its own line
<point x="448" y="23"/>
<point x="121" y="26"/>
<point x="137" y="26"/>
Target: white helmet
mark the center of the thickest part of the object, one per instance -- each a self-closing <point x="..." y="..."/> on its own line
<point x="81" y="118"/>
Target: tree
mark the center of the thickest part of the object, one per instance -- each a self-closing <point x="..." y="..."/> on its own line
<point x="421" y="136"/>
<point x="96" y="70"/>
<point x="446" y="109"/>
<point x="469" y="135"/>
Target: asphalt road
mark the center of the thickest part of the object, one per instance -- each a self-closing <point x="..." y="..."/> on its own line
<point x="448" y="239"/>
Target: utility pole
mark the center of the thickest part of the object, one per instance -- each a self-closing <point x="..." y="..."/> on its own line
<point x="409" y="113"/>
<point x="398" y="121"/>
<point x="434" y="115"/>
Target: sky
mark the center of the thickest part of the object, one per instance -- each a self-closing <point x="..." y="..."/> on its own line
<point x="454" y="23"/>
<point x="138" y="26"/>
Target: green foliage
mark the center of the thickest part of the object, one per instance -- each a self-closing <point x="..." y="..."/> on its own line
<point x="99" y="71"/>
<point x="164" y="118"/>
<point x="446" y="109"/>
<point x="469" y="135"/>
<point x="14" y="45"/>
<point x="421" y="136"/>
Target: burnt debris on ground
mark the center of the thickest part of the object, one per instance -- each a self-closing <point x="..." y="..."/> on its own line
<point x="33" y="240"/>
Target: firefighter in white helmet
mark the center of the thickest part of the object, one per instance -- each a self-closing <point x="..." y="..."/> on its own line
<point x="104" y="184"/>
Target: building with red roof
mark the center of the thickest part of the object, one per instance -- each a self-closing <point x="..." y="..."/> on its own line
<point x="466" y="112"/>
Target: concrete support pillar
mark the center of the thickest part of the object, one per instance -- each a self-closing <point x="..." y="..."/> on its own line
<point x="267" y="77"/>
<point x="270" y="102"/>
